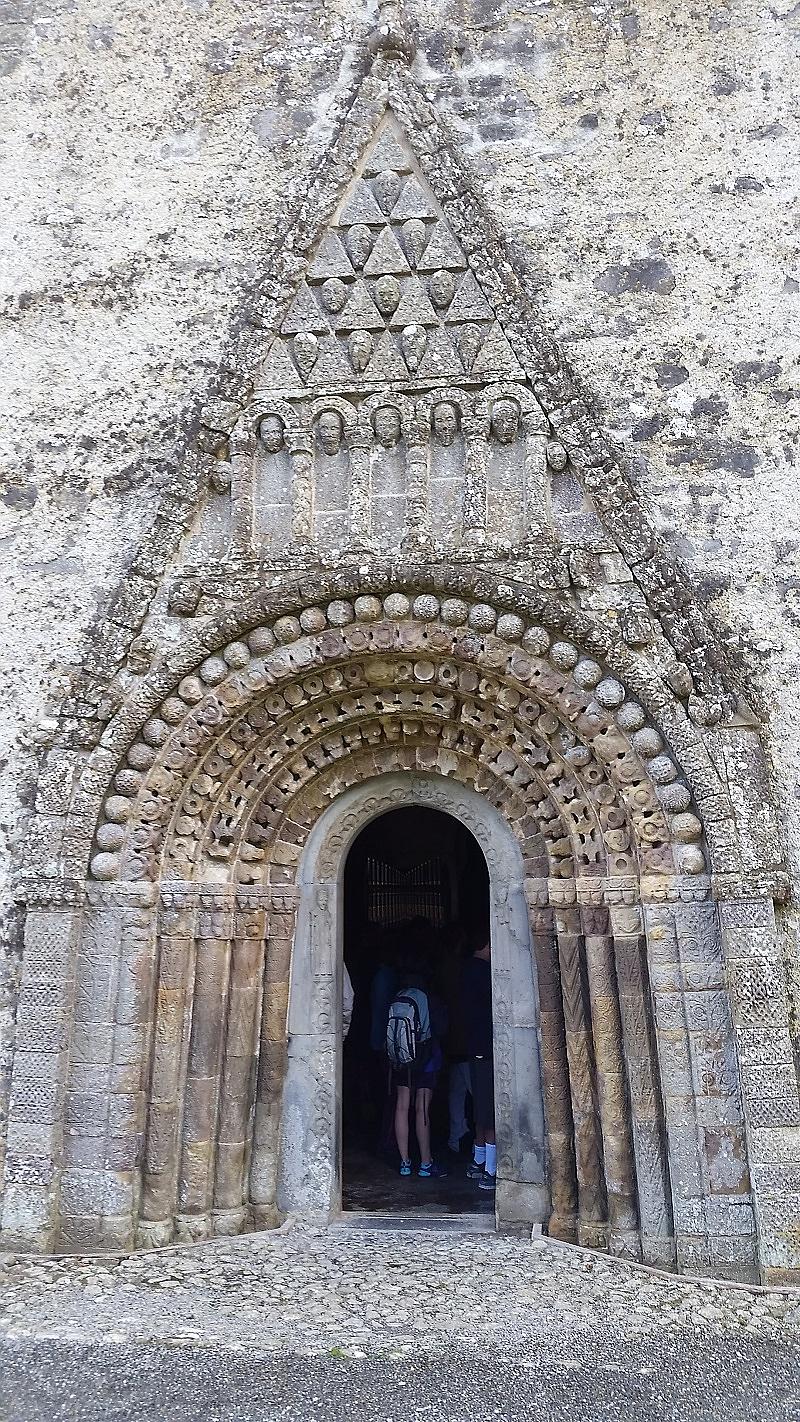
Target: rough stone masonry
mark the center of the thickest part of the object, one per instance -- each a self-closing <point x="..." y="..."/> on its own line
<point x="400" y="409"/>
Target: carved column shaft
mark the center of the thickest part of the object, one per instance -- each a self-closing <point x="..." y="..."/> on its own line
<point x="238" y="1072"/>
<point x="417" y="491"/>
<point x="611" y="1083"/>
<point x="476" y="458"/>
<point x="302" y="488"/>
<point x="242" y="464"/>
<point x="271" y="1068"/>
<point x="592" y="1202"/>
<point x="160" y="1168"/>
<point x="536" y="481"/>
<point x="201" y="1093"/>
<point x="644" y="1089"/>
<point x="563" y="1223"/>
<point x="38" y="1084"/>
<point x="360" y="495"/>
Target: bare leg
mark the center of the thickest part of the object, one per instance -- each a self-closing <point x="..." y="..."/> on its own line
<point x="424" y="1124"/>
<point x="401" y="1120"/>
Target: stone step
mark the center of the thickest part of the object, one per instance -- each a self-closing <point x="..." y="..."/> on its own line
<point x="418" y="1222"/>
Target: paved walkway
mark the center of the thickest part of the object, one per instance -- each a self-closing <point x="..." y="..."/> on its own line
<point x="354" y="1323"/>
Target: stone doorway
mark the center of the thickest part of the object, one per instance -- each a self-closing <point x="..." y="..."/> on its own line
<point x="415" y="884"/>
<point x="310" y="1165"/>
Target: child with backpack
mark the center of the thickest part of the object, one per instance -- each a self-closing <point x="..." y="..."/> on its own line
<point x="416" y="1021"/>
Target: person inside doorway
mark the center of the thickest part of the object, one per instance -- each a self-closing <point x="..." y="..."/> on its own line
<point x="477" y="1007"/>
<point x="415" y="1081"/>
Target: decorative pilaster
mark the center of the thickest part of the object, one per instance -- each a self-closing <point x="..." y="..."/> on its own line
<point x="173" y="1007"/>
<point x="592" y="1201"/>
<point x="360" y="496"/>
<point x="563" y="1222"/>
<point x="298" y="443"/>
<point x="644" y="1087"/>
<point x="271" y="1067"/>
<point x="418" y="517"/>
<point x="756" y="978"/>
<point x="476" y="458"/>
<point x="537" y="510"/>
<point x="238" y="1072"/>
<point x="611" y="1083"/>
<point x="203" y="1069"/>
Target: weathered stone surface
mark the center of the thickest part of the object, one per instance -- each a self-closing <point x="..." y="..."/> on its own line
<point x="412" y="551"/>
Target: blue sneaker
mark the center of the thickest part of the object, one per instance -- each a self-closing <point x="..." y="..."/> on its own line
<point x="432" y="1171"/>
<point x="405" y="1167"/>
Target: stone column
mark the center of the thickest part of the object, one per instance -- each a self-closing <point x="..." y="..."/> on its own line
<point x="522" y="1193"/>
<point x="38" y="1083"/>
<point x="537" y="510"/>
<point x="238" y="1072"/>
<point x="90" y="1191"/>
<point x="203" y="1069"/>
<point x="712" y="1207"/>
<point x="476" y="458"/>
<point x="174" y="978"/>
<point x="756" y="978"/>
<point x="612" y="1085"/>
<point x="644" y="1087"/>
<point x="242" y="466"/>
<point x="418" y="514"/>
<point x="308" y="1167"/>
<point x="359" y="443"/>
<point x="563" y="1223"/>
<point x="592" y="1203"/>
<point x="271" y="1065"/>
<point x="130" y="1068"/>
<point x="298" y="442"/>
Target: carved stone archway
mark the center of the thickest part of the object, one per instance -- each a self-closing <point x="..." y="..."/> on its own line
<point x="402" y="545"/>
<point x="309" y="1177"/>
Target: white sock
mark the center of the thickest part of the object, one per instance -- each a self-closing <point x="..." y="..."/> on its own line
<point x="479" y="1154"/>
<point x="491" y="1160"/>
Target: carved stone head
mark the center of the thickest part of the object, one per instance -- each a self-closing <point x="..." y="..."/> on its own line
<point x="386" y="423"/>
<point x="413" y="342"/>
<point x="556" y="455"/>
<point x="387" y="295"/>
<point x="359" y="244"/>
<point x="415" y="236"/>
<point x="271" y="433"/>
<point x="505" y="420"/>
<point x="386" y="187"/>
<point x="330" y="430"/>
<point x="442" y="289"/>
<point x="445" y="422"/>
<point x="334" y="294"/>
<point x="360" y="348"/>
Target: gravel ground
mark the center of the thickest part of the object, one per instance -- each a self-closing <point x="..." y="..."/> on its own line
<point x="356" y="1323"/>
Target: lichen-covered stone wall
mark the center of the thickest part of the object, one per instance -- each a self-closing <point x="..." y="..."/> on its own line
<point x="641" y="157"/>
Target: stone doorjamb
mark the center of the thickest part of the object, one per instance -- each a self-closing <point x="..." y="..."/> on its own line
<point x="309" y="1172"/>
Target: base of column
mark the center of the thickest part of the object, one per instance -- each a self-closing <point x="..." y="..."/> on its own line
<point x="191" y="1229"/>
<point x="564" y="1228"/>
<point x="594" y="1234"/>
<point x="154" y="1234"/>
<point x="521" y="1203"/>
<point x="625" y="1244"/>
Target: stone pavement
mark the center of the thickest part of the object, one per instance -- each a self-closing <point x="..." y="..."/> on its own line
<point x="352" y="1322"/>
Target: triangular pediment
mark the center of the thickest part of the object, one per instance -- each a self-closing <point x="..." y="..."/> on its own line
<point x="388" y="260"/>
<point x="392" y="284"/>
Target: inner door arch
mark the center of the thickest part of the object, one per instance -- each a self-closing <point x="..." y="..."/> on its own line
<point x="309" y="1168"/>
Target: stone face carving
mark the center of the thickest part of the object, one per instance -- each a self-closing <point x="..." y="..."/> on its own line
<point x="329" y="430"/>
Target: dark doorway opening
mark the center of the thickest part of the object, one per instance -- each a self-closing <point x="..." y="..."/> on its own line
<point x="416" y="876"/>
